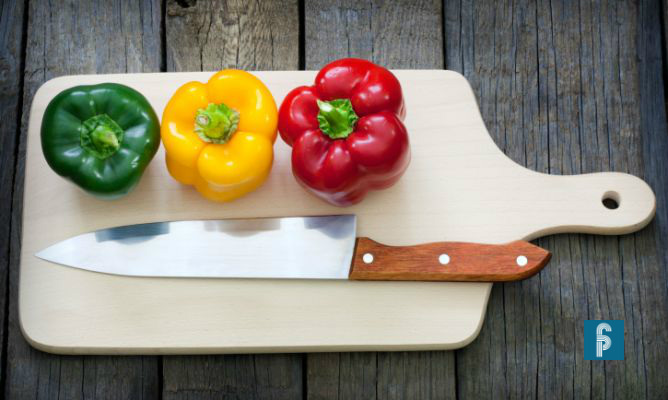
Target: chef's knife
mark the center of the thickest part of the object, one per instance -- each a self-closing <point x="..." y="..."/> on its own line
<point x="289" y="248"/>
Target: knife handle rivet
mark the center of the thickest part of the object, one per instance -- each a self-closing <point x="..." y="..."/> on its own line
<point x="444" y="259"/>
<point x="367" y="258"/>
<point x="522" y="261"/>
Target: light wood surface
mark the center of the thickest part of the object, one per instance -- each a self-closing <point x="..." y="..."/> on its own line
<point x="459" y="187"/>
<point x="447" y="261"/>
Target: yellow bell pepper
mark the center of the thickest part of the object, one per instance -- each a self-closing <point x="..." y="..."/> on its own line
<point x="219" y="136"/>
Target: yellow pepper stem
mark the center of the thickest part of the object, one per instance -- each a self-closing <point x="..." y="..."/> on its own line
<point x="216" y="123"/>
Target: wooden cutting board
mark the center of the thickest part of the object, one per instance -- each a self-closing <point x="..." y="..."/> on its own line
<point x="458" y="187"/>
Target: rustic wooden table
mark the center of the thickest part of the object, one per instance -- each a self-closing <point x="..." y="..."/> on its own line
<point x="564" y="87"/>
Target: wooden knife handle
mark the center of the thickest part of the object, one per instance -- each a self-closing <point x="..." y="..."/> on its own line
<point x="447" y="261"/>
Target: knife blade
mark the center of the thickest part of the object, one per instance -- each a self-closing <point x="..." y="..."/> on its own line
<point x="324" y="247"/>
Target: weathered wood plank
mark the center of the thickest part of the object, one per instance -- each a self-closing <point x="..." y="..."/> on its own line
<point x="571" y="88"/>
<point x="11" y="44"/>
<point x="209" y="36"/>
<point x="68" y="38"/>
<point x="664" y="18"/>
<point x="275" y="376"/>
<point x="342" y="376"/>
<point x="398" y="35"/>
<point x="649" y="253"/>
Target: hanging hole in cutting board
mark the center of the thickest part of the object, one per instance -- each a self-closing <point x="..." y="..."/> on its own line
<point x="611" y="200"/>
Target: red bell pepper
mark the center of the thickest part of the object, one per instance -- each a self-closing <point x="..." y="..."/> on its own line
<point x="346" y="131"/>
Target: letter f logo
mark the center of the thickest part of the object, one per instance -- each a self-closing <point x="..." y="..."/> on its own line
<point x="599" y="336"/>
<point x="603" y="342"/>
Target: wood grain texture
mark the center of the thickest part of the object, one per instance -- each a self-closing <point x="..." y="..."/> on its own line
<point x="251" y="35"/>
<point x="267" y="376"/>
<point x="403" y="375"/>
<point x="399" y="34"/>
<point x="663" y="18"/>
<point x="345" y="376"/>
<point x="209" y="36"/>
<point x="446" y="261"/>
<point x="77" y="37"/>
<point x="645" y="253"/>
<point x="11" y="44"/>
<point x="570" y="88"/>
<point x="403" y="34"/>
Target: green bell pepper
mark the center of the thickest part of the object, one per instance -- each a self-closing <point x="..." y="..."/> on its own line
<point x="101" y="137"/>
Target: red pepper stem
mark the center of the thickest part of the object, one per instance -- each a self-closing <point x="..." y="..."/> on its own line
<point x="337" y="118"/>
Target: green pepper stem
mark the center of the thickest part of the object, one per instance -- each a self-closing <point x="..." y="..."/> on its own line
<point x="216" y="123"/>
<point x="101" y="136"/>
<point x="337" y="118"/>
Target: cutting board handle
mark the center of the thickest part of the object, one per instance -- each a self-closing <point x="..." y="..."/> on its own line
<point x="606" y="203"/>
